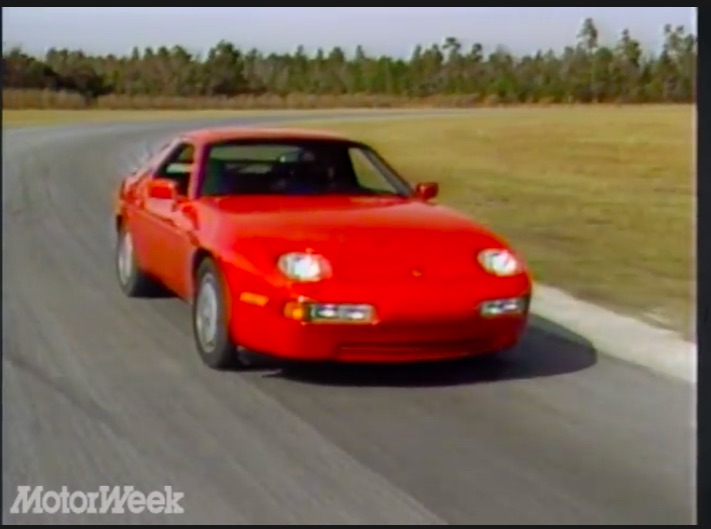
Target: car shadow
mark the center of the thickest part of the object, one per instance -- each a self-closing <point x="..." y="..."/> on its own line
<point x="158" y="291"/>
<point x="546" y="349"/>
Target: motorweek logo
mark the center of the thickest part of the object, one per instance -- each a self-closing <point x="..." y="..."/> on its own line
<point x="106" y="500"/>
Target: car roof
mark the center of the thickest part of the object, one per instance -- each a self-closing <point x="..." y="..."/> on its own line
<point x="216" y="135"/>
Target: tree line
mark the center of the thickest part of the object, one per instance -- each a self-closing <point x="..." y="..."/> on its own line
<point x="585" y="71"/>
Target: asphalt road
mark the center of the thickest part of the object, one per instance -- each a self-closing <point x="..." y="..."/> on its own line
<point x="102" y="390"/>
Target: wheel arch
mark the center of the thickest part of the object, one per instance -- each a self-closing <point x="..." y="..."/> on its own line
<point x="199" y="256"/>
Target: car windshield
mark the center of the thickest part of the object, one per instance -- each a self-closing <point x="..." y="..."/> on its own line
<point x="298" y="168"/>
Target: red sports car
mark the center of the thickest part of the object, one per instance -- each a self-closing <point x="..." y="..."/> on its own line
<point x="310" y="246"/>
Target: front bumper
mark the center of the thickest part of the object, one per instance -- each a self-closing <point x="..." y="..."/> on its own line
<point x="414" y="323"/>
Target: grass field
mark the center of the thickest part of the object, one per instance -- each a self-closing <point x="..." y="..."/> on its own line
<point x="600" y="200"/>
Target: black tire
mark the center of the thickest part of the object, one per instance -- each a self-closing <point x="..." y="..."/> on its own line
<point x="214" y="346"/>
<point x="133" y="281"/>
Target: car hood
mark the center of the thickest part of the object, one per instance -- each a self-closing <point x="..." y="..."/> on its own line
<point x="368" y="237"/>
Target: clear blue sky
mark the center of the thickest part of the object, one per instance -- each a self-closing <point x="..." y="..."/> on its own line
<point x="390" y="30"/>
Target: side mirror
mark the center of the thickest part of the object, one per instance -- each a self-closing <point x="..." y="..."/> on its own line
<point x="163" y="189"/>
<point x="426" y="190"/>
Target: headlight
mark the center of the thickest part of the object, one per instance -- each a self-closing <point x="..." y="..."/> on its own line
<point x="500" y="262"/>
<point x="304" y="266"/>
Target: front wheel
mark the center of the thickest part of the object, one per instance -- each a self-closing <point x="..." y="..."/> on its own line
<point x="210" y="319"/>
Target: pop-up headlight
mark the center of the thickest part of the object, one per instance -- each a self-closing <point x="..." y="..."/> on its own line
<point x="304" y="267"/>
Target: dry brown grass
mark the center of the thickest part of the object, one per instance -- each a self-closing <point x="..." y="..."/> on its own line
<point x="46" y="100"/>
<point x="598" y="199"/>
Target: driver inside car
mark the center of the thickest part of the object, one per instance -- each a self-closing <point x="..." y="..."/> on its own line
<point x="317" y="174"/>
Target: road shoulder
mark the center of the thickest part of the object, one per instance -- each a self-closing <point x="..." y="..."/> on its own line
<point x="659" y="350"/>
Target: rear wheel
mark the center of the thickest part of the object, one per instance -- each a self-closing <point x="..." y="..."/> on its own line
<point x="210" y="319"/>
<point x="133" y="281"/>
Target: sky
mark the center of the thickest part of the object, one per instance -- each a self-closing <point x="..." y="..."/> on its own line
<point x="381" y="30"/>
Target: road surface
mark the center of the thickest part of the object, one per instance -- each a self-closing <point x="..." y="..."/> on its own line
<point x="102" y="390"/>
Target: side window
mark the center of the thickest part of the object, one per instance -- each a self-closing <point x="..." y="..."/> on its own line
<point x="178" y="166"/>
<point x="366" y="173"/>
